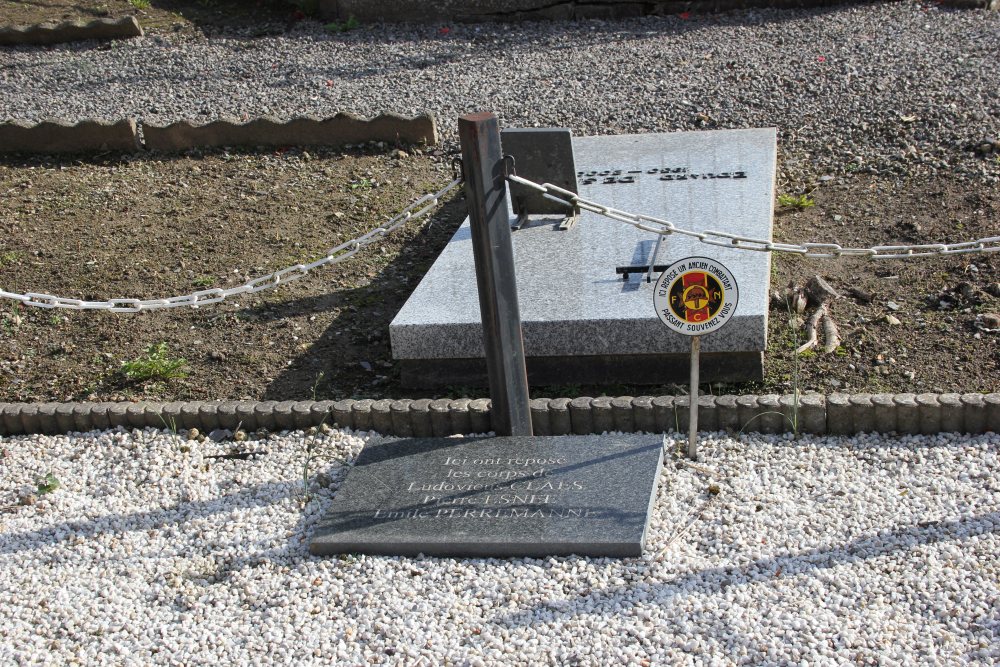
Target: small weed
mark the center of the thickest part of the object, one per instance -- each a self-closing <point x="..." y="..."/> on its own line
<point x="800" y="202"/>
<point x="169" y="424"/>
<point x="350" y="24"/>
<point x="315" y="386"/>
<point x="155" y="365"/>
<point x="139" y="4"/>
<point x="363" y="184"/>
<point x="316" y="449"/>
<point x="796" y="379"/>
<point x="11" y="257"/>
<point x="55" y="320"/>
<point x="47" y="484"/>
<point x="202" y="281"/>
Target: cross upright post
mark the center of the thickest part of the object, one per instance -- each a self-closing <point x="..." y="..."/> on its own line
<point x="489" y="218"/>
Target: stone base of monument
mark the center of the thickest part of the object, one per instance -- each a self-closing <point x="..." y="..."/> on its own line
<point x="577" y="311"/>
<point x="496" y="497"/>
<point x="646" y="369"/>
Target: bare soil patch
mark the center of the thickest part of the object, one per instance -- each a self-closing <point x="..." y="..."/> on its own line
<point x="908" y="324"/>
<point x="260" y="17"/>
<point x="155" y="226"/>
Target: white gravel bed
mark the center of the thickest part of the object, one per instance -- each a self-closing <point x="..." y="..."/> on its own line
<point x="892" y="88"/>
<point x="821" y="551"/>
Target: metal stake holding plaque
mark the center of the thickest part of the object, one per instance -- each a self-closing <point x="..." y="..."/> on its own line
<point x="695" y="296"/>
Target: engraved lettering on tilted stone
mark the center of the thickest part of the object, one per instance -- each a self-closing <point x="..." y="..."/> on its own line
<point x="616" y="177"/>
<point x="516" y="493"/>
<point x="514" y="513"/>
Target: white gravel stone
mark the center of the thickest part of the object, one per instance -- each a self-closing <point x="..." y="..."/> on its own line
<point x="818" y="551"/>
<point x="894" y="88"/>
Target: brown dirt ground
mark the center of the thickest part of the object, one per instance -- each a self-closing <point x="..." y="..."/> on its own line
<point x="939" y="344"/>
<point x="124" y="225"/>
<point x="162" y="225"/>
<point x="261" y="17"/>
<point x="152" y="226"/>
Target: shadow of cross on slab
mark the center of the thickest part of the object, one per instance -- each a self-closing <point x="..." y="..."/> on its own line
<point x="505" y="496"/>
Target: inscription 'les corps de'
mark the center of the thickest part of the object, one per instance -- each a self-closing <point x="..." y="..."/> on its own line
<point x="493" y="488"/>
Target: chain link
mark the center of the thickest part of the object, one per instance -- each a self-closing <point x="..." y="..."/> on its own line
<point x="654" y="225"/>
<point x="417" y="209"/>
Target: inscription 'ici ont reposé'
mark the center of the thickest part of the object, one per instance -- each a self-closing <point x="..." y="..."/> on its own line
<point x="492" y="488"/>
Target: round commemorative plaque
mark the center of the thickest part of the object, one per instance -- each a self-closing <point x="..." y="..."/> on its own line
<point x="695" y="296"/>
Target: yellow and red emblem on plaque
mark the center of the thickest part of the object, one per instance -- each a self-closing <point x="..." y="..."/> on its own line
<point x="695" y="295"/>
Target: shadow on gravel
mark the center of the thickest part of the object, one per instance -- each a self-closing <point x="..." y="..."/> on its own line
<point x="261" y="495"/>
<point x="712" y="580"/>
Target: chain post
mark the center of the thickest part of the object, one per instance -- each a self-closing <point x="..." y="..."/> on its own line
<point x="486" y="193"/>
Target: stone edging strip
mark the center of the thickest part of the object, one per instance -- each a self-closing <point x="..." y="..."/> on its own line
<point x="56" y="136"/>
<point x="70" y="31"/>
<point x="91" y="135"/>
<point x="836" y="414"/>
<point x="342" y="128"/>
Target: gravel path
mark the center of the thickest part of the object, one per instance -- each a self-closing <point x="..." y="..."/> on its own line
<point x="895" y="88"/>
<point x="826" y="551"/>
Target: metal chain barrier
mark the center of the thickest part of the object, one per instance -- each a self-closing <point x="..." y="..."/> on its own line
<point x="711" y="237"/>
<point x="428" y="202"/>
<point x="336" y="255"/>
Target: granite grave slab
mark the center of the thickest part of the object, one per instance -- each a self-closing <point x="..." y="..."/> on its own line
<point x="501" y="497"/>
<point x="577" y="313"/>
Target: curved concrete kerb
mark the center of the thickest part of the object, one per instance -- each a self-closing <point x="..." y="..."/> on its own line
<point x="58" y="136"/>
<point x="836" y="414"/>
<point x="70" y="31"/>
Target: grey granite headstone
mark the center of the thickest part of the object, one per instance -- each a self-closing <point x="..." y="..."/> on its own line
<point x="503" y="496"/>
<point x="576" y="312"/>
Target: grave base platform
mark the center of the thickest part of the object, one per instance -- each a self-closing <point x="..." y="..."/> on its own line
<point x="638" y="369"/>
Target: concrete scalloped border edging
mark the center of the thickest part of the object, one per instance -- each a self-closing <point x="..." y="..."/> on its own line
<point x="836" y="414"/>
<point x="70" y="31"/>
<point x="57" y="136"/>
<point x="343" y="128"/>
